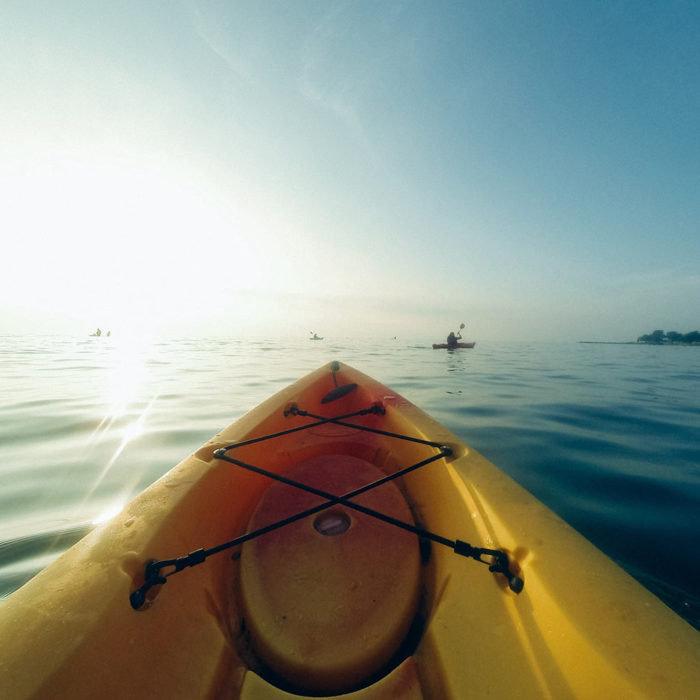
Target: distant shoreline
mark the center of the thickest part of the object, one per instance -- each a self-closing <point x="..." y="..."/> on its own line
<point x="629" y="342"/>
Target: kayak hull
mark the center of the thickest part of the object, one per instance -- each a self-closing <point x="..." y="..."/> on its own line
<point x="445" y="346"/>
<point x="580" y="628"/>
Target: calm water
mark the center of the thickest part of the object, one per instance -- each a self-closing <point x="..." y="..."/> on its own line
<point x="607" y="435"/>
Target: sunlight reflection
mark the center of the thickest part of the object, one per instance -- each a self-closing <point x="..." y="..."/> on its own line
<point x="124" y="391"/>
<point x="128" y="373"/>
<point x="126" y="376"/>
<point x="108" y="513"/>
<point x="131" y="432"/>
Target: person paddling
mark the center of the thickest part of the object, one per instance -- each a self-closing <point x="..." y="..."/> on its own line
<point x="453" y="339"/>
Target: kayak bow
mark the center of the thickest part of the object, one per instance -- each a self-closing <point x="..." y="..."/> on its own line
<point x="335" y="534"/>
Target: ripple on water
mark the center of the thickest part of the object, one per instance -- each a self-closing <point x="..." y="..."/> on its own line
<point x="607" y="436"/>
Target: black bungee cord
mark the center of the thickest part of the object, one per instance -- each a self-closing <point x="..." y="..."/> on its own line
<point x="498" y="561"/>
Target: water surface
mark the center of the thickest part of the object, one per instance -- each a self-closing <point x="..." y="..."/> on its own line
<point x="608" y="436"/>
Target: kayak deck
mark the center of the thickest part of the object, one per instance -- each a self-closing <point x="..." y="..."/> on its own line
<point x="308" y="609"/>
<point x="346" y="562"/>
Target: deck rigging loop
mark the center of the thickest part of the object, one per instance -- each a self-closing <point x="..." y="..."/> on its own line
<point x="498" y="560"/>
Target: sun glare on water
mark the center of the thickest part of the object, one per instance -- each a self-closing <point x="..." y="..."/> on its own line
<point x="128" y="372"/>
<point x="108" y="513"/>
<point x="129" y="402"/>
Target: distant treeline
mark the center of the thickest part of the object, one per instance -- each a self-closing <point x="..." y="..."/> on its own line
<point x="672" y="337"/>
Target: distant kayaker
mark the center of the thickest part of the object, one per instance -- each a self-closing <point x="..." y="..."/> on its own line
<point x="453" y="339"/>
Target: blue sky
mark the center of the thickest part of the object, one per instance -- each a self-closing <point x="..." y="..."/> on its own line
<point x="352" y="168"/>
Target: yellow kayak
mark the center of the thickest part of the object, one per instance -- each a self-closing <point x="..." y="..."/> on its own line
<point x="336" y="540"/>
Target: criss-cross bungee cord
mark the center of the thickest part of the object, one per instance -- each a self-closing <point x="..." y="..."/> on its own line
<point x="499" y="561"/>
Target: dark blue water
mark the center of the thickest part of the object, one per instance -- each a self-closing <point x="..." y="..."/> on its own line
<point x="608" y="436"/>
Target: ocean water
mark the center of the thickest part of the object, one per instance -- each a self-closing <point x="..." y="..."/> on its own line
<point x="608" y="436"/>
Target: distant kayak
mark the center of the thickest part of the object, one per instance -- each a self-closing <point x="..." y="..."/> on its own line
<point x="316" y="337"/>
<point x="444" y="346"/>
